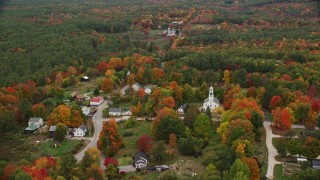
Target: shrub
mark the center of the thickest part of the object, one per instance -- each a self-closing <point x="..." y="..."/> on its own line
<point x="127" y="133"/>
<point x="190" y="146"/>
<point x="132" y="122"/>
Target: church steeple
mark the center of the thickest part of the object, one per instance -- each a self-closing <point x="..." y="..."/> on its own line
<point x="211" y="95"/>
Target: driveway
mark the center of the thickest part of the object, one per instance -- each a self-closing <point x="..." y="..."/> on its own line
<point x="272" y="152"/>
<point x="128" y="168"/>
<point x="97" y="123"/>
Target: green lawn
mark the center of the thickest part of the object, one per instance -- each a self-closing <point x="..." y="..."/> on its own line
<point x="130" y="141"/>
<point x="66" y="147"/>
<point x="278" y="173"/>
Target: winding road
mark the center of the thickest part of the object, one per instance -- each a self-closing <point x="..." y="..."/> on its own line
<point x="97" y="123"/>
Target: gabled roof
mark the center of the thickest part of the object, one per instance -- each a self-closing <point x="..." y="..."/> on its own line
<point x="137" y="84"/>
<point x="74" y="93"/>
<point x="149" y="86"/>
<point x="140" y="156"/>
<point x="316" y="163"/>
<point x="83" y="127"/>
<point x="34" y="119"/>
<point x="80" y="96"/>
<point x="96" y="99"/>
<point x="126" y="87"/>
<point x="183" y="107"/>
<point x="115" y="110"/>
<point x="32" y="127"/>
<point x="53" y="128"/>
<point x="216" y="100"/>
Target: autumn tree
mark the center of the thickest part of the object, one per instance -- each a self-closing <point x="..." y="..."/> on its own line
<point x="160" y="115"/>
<point x="68" y="166"/>
<point x="76" y="119"/>
<point x="168" y="102"/>
<point x="136" y="110"/>
<point x="59" y="79"/>
<point x="310" y="148"/>
<point x="281" y="118"/>
<point x="191" y="115"/>
<point x="60" y="114"/>
<point x="110" y="161"/>
<point x="172" y="140"/>
<point x="202" y="125"/>
<point x="275" y="102"/>
<point x="110" y="139"/>
<point x="239" y="170"/>
<point x="144" y="143"/>
<point x="226" y="77"/>
<point x="170" y="125"/>
<point x="107" y="85"/>
<point x="91" y="157"/>
<point x="211" y="173"/>
<point x="243" y="148"/>
<point x="239" y="129"/>
<point x="253" y="167"/>
<point x="228" y="97"/>
<point x="38" y="110"/>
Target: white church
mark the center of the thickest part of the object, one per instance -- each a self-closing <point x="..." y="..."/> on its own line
<point x="211" y="102"/>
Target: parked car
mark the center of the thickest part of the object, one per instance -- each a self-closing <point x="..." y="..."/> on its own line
<point x="162" y="167"/>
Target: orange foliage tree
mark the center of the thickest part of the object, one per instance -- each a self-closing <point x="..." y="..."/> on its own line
<point x="110" y="139"/>
<point x="228" y="97"/>
<point x="172" y="140"/>
<point x="107" y="85"/>
<point x="160" y="115"/>
<point x="281" y="118"/>
<point x="63" y="114"/>
<point x="168" y="102"/>
<point x="253" y="167"/>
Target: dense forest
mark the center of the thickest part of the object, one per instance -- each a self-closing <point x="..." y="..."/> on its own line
<point x="261" y="57"/>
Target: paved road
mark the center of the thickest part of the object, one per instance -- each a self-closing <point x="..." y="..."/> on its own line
<point x="272" y="152"/>
<point x="97" y="123"/>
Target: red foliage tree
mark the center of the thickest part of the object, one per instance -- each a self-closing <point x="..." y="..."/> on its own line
<point x="110" y="160"/>
<point x="281" y="118"/>
<point x="39" y="110"/>
<point x="141" y="93"/>
<point x="144" y="143"/>
<point x="103" y="67"/>
<point x="168" y="102"/>
<point x="275" y="101"/>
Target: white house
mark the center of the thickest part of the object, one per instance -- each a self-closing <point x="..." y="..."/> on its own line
<point x="86" y="110"/>
<point x="211" y="102"/>
<point x="114" y="112"/>
<point x="38" y="122"/>
<point x="140" y="159"/>
<point x="182" y="109"/>
<point x="126" y="113"/>
<point x="125" y="89"/>
<point x="80" y="131"/>
<point x="148" y="88"/>
<point x="96" y="101"/>
<point x="136" y="87"/>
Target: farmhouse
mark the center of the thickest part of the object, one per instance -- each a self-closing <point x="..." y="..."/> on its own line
<point x="140" y="159"/>
<point x="136" y="87"/>
<point x="38" y="122"/>
<point x="211" y="102"/>
<point x="80" y="97"/>
<point x="30" y="129"/>
<point x="125" y="89"/>
<point x="148" y="88"/>
<point x="96" y="101"/>
<point x="114" y="112"/>
<point x="182" y="109"/>
<point x="80" y="131"/>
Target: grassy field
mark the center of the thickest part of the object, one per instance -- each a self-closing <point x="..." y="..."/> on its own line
<point x="130" y="141"/>
<point x="278" y="173"/>
<point x="65" y="147"/>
